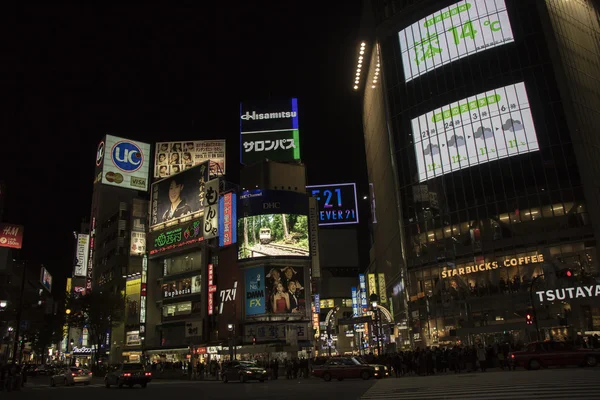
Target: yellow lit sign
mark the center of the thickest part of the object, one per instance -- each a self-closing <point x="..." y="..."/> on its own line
<point x="509" y="262"/>
<point x="326" y="303"/>
<point x="372" y="284"/>
<point x="382" y="294"/>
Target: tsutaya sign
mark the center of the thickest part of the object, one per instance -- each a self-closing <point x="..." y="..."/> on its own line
<point x="488" y="266"/>
<point x="569" y="293"/>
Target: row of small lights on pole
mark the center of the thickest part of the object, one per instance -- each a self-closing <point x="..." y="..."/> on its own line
<point x="361" y="54"/>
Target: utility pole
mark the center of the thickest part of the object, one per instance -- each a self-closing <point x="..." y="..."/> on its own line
<point x="19" y="313"/>
<point x="535" y="319"/>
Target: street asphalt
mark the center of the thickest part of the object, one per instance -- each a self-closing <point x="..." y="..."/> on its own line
<point x="561" y="383"/>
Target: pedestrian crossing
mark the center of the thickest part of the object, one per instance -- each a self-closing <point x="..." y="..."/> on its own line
<point x="484" y="386"/>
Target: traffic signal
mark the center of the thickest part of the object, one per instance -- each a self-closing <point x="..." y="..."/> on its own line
<point x="566" y="273"/>
<point x="529" y="318"/>
<point x="253" y="340"/>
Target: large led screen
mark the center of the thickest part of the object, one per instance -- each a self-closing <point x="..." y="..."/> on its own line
<point x="485" y="127"/>
<point x="337" y="203"/>
<point x="179" y="196"/>
<point x="275" y="290"/>
<point x="273" y="235"/>
<point x="452" y="33"/>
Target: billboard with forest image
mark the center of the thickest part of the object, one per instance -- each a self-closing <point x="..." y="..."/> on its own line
<point x="273" y="235"/>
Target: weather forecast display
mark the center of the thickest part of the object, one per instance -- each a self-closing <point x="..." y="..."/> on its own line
<point x="452" y="33"/>
<point x="482" y="128"/>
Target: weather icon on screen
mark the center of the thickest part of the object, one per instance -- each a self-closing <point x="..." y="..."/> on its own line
<point x="431" y="149"/>
<point x="483" y="133"/>
<point x="512" y="125"/>
<point x="456" y="141"/>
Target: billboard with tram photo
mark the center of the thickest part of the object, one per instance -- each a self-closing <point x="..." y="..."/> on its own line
<point x="272" y="223"/>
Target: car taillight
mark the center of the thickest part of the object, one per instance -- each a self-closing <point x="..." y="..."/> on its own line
<point x="126" y="374"/>
<point x="73" y="374"/>
<point x="512" y="356"/>
<point x="90" y="373"/>
<point x="148" y="374"/>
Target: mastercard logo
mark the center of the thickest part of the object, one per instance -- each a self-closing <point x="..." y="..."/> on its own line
<point x="114" y="177"/>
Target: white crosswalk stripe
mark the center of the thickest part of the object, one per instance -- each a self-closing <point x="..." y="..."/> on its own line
<point x="491" y="386"/>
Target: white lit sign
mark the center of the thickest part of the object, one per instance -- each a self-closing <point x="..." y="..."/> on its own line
<point x="81" y="258"/>
<point x="485" y="127"/>
<point x="126" y="163"/>
<point x="569" y="293"/>
<point x="452" y="33"/>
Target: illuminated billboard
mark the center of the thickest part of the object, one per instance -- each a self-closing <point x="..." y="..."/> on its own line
<point x="179" y="196"/>
<point x="11" y="236"/>
<point x="269" y="130"/>
<point x="454" y="32"/>
<point x="275" y="290"/>
<point x="125" y="163"/>
<point x="174" y="238"/>
<point x="273" y="235"/>
<point x="82" y="254"/>
<point x="171" y="158"/>
<point x="182" y="287"/>
<point x="228" y="219"/>
<point x="337" y="203"/>
<point x="488" y="126"/>
<point x="46" y="279"/>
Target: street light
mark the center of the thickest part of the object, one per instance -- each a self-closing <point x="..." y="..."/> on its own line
<point x="231" y="329"/>
<point x="376" y="326"/>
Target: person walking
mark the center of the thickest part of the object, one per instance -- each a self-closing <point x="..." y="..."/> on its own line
<point x="481" y="357"/>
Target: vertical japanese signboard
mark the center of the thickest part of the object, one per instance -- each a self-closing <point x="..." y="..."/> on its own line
<point x="210" y="223"/>
<point x="382" y="292"/>
<point x="313" y="221"/>
<point x="212" y="288"/>
<point x="227" y="219"/>
<point x="354" y="302"/>
<point x="372" y="284"/>
<point x="364" y="303"/>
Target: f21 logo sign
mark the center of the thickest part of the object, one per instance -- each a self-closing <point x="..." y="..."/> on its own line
<point x="337" y="203"/>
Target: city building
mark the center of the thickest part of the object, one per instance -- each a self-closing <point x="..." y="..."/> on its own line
<point x="480" y="122"/>
<point x="116" y="239"/>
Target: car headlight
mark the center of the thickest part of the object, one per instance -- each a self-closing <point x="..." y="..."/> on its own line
<point x="249" y="372"/>
<point x="263" y="372"/>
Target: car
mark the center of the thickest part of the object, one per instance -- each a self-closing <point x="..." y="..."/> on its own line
<point x="381" y="371"/>
<point x="553" y="353"/>
<point x="70" y="376"/>
<point x="43" y="370"/>
<point x="127" y="374"/>
<point x="243" y="371"/>
<point x="341" y="368"/>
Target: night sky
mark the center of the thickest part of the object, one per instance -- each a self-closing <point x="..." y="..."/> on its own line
<point x="157" y="73"/>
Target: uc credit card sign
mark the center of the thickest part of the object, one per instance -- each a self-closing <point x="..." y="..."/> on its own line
<point x="255" y="290"/>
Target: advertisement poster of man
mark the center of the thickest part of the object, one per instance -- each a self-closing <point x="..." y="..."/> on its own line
<point x="273" y="235"/>
<point x="174" y="157"/>
<point x="180" y="195"/>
